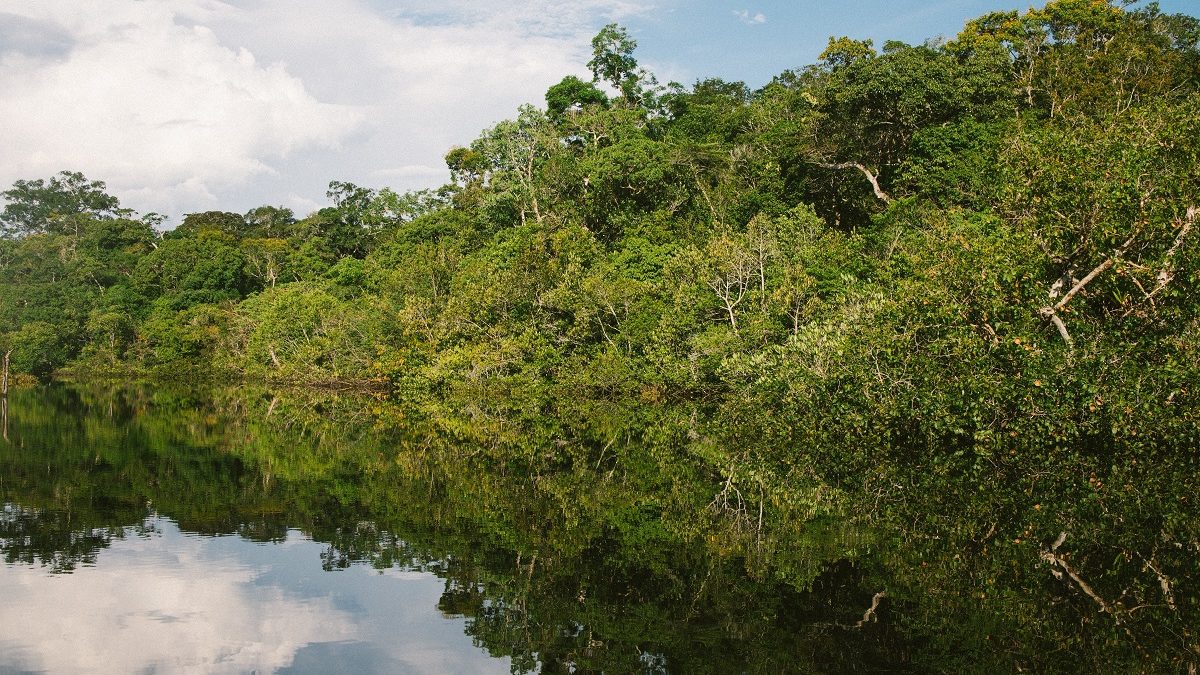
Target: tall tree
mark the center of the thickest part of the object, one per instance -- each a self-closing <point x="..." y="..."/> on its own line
<point x="53" y="205"/>
<point x="613" y="63"/>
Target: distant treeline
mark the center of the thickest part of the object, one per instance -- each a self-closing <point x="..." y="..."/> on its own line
<point x="934" y="239"/>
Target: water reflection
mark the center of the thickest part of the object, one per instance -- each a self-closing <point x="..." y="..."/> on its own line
<point x="524" y="556"/>
<point x="288" y="531"/>
<point x="160" y="600"/>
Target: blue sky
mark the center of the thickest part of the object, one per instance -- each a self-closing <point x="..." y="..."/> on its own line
<point x="717" y="38"/>
<point x="192" y="105"/>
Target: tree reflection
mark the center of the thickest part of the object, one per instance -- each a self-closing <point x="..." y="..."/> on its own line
<point x="587" y="541"/>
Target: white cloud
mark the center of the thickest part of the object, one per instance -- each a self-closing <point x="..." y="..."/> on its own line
<point x="410" y="171"/>
<point x="154" y="104"/>
<point x="531" y="17"/>
<point x="750" y="19"/>
<point x="185" y="105"/>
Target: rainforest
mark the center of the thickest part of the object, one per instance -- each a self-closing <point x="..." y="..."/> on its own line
<point x="916" y="323"/>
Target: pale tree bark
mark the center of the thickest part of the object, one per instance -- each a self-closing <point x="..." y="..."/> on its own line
<point x="4" y="385"/>
<point x="1051" y="312"/>
<point x="1061" y="568"/>
<point x="1164" y="583"/>
<point x="530" y="184"/>
<point x="1060" y="562"/>
<point x="869" y="616"/>
<point x="729" y="266"/>
<point x="871" y="176"/>
<point x="731" y="290"/>
<point x="1167" y="273"/>
<point x="4" y="396"/>
<point x="732" y="284"/>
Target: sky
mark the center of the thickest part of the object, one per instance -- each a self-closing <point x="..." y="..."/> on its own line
<point x="183" y="106"/>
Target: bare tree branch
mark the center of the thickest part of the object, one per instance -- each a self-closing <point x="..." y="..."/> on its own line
<point x="871" y="176"/>
<point x="1050" y="312"/>
<point x="870" y="615"/>
<point x="1168" y="269"/>
<point x="1163" y="582"/>
<point x="1052" y="316"/>
<point x="1051" y="556"/>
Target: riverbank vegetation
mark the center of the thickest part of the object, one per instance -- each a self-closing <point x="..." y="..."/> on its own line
<point x="901" y="278"/>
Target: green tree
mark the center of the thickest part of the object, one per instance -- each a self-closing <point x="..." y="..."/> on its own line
<point x="111" y="332"/>
<point x="570" y="94"/>
<point x="268" y="222"/>
<point x="613" y="63"/>
<point x="38" y="348"/>
<point x="231" y="224"/>
<point x="511" y="155"/>
<point x="53" y="205"/>
<point x="188" y="271"/>
<point x="1114" y="204"/>
<point x="1084" y="57"/>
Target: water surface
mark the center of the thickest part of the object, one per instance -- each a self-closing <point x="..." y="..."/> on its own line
<point x="257" y="530"/>
<point x="158" y="599"/>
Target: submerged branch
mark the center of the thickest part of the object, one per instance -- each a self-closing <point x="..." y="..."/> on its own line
<point x="869" y="615"/>
<point x="1164" y="582"/>
<point x="1051" y="556"/>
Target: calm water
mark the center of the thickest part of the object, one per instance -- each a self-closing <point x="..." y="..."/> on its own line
<point x="252" y="530"/>
<point x="160" y="599"/>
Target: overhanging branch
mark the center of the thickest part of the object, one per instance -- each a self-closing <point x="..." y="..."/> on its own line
<point x="871" y="176"/>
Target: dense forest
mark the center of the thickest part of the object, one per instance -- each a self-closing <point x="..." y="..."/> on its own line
<point x="912" y="275"/>
<point x="1014" y="205"/>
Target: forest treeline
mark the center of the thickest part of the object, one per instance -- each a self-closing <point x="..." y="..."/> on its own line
<point x="943" y="241"/>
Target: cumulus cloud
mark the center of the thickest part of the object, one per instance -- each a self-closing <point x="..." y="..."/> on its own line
<point x="141" y="95"/>
<point x="750" y="19"/>
<point x="185" y="105"/>
<point x="430" y="74"/>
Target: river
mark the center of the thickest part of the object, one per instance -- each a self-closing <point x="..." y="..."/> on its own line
<point x="254" y="530"/>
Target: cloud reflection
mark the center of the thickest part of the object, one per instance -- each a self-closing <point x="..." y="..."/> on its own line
<point x="160" y="604"/>
<point x="167" y="602"/>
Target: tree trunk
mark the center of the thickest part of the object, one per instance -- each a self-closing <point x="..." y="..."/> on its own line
<point x="4" y="395"/>
<point x="4" y="382"/>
